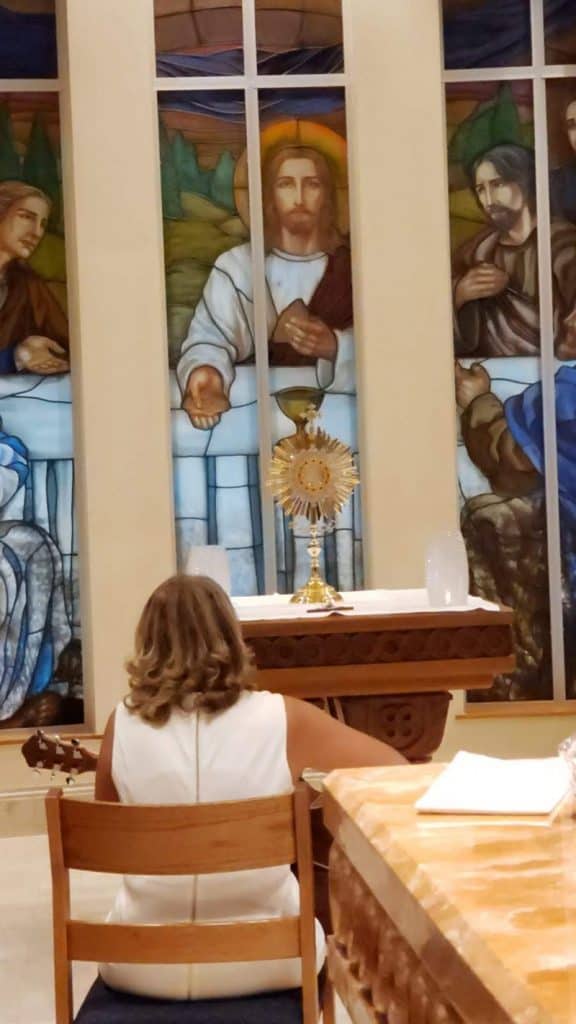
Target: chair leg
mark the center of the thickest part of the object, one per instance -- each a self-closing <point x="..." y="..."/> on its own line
<point x="328" y="1005"/>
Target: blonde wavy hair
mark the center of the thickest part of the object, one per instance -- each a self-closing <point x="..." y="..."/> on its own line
<point x="189" y="652"/>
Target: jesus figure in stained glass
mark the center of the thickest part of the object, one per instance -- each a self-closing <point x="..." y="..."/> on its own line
<point x="309" y="291"/>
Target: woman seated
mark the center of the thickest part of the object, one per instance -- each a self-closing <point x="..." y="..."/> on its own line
<point x="194" y="729"/>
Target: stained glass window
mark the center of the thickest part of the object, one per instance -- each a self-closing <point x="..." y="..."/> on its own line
<point x="560" y="30"/>
<point x="561" y="104"/>
<point x="210" y="326"/>
<point x="311" y="322"/>
<point x="40" y="654"/>
<point x="198" y="37"/>
<point x="512" y="174"/>
<point x="28" y="39"/>
<point x="233" y="349"/>
<point x="486" y="33"/>
<point x="299" y="36"/>
<point x="497" y="346"/>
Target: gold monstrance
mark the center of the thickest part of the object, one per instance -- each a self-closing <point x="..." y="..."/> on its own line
<point x="311" y="475"/>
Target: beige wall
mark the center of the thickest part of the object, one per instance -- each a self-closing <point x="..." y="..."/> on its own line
<point x="120" y="372"/>
<point x="400" y="224"/>
<point x="521" y="736"/>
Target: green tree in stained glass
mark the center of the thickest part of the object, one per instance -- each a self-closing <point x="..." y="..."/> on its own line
<point x="495" y="123"/>
<point x="171" y="204"/>
<point x="191" y="177"/>
<point x="222" y="190"/>
<point x="10" y="168"/>
<point x="40" y="167"/>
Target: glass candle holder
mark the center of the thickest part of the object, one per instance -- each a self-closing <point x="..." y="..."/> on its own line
<point x="210" y="560"/>
<point x="447" y="574"/>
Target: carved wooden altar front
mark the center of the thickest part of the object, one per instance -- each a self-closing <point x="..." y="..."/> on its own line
<point x="389" y="674"/>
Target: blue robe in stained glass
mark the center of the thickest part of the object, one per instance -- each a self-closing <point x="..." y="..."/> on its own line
<point x="34" y="624"/>
<point x="525" y="421"/>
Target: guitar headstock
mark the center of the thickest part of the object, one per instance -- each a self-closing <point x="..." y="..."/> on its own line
<point x="54" y="754"/>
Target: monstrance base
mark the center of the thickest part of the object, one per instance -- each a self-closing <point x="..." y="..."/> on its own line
<point x="316" y="591"/>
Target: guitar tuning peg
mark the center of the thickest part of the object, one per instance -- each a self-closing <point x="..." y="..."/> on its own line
<point x="70" y="780"/>
<point x="75" y="742"/>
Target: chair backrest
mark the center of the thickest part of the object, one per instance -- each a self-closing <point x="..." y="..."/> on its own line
<point x="180" y="840"/>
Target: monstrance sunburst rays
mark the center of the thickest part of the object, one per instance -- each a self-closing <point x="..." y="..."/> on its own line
<point x="313" y="475"/>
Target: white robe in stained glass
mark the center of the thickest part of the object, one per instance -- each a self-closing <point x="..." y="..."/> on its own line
<point x="221" y="332"/>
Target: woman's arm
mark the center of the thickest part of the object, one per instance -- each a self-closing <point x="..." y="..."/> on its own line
<point x="315" y="740"/>
<point x="105" y="788"/>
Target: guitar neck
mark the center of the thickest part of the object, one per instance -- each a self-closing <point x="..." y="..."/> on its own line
<point x="51" y="753"/>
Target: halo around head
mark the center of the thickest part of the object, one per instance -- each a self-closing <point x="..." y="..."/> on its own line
<point x="307" y="135"/>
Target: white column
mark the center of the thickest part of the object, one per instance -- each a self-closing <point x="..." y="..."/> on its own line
<point x="116" y="293"/>
<point x="402" y="281"/>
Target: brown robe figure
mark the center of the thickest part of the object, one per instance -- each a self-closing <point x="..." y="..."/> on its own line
<point x="33" y="326"/>
<point x="508" y="324"/>
<point x="29" y="309"/>
<point x="332" y="303"/>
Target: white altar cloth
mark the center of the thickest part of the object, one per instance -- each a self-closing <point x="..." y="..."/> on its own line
<point x="363" y="602"/>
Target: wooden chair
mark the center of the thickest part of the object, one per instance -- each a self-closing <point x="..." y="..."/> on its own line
<point x="183" y="840"/>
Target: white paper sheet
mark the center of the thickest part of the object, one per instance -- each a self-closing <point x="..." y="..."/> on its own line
<point x="475" y="784"/>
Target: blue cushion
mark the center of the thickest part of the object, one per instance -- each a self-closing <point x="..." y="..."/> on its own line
<point x="104" y="1005"/>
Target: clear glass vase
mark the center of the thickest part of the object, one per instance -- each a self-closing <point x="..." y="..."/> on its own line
<point x="567" y="750"/>
<point x="210" y="560"/>
<point x="447" y="574"/>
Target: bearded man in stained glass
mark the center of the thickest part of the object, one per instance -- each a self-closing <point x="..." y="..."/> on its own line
<point x="309" y="292"/>
<point x="495" y="273"/>
<point x="495" y="287"/>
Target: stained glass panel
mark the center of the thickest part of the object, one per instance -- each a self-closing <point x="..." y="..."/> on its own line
<point x="198" y="37"/>
<point x="560" y="23"/>
<point x="28" y="39"/>
<point x="497" y="344"/>
<point x="299" y="37"/>
<point x="210" y="329"/>
<point x="561" y="102"/>
<point x="40" y="653"/>
<point x="486" y="33"/>
<point x="311" y="312"/>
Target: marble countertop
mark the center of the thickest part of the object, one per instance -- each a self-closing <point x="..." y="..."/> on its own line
<point x="501" y="891"/>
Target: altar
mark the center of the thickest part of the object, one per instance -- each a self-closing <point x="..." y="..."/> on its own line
<point x="386" y="664"/>
<point x="443" y="919"/>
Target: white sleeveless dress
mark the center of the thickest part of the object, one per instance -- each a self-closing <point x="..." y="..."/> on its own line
<point x="241" y="754"/>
